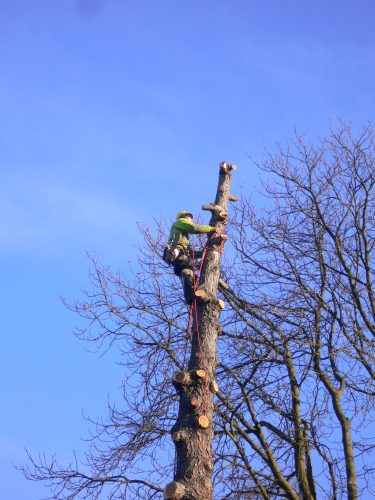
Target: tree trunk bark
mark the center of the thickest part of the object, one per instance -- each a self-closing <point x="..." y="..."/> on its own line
<point x="193" y="431"/>
<point x="351" y="477"/>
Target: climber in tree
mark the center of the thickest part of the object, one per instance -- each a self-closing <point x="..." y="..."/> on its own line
<point x="178" y="251"/>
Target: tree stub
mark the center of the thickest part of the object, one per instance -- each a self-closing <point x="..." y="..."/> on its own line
<point x="199" y="374"/>
<point x="203" y="422"/>
<point x="226" y="167"/>
<point x="178" y="436"/>
<point x="181" y="377"/>
<point x="214" y="387"/>
<point x="204" y="296"/>
<point x="186" y="378"/>
<point x="174" y="491"/>
<point x="194" y="402"/>
<point x="201" y="294"/>
<point x="223" y="284"/>
<point x="213" y="208"/>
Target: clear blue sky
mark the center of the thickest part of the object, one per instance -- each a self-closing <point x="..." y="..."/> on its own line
<point x="113" y="111"/>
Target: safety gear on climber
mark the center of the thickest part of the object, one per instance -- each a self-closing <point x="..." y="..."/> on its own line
<point x="184" y="213"/>
<point x="177" y="252"/>
<point x="170" y="253"/>
<point x="180" y="230"/>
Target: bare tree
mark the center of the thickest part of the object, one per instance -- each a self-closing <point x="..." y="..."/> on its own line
<point x="295" y="351"/>
<point x="304" y="304"/>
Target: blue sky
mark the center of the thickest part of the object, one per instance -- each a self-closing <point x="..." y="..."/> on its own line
<point x="113" y="112"/>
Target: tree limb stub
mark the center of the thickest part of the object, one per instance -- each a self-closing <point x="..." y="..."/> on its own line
<point x="179" y="436"/>
<point x="226" y="167"/>
<point x="203" y="422"/>
<point x="204" y="296"/>
<point x="214" y="387"/>
<point x="181" y="378"/>
<point x="174" y="491"/>
<point x="216" y="209"/>
<point x="188" y="377"/>
<point x="194" y="402"/>
<point x="213" y="208"/>
<point x="223" y="284"/>
<point x="199" y="374"/>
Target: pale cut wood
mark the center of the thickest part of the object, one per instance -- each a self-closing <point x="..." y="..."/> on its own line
<point x="222" y="284"/>
<point x="225" y="167"/>
<point x="201" y="294"/>
<point x="214" y="387"/>
<point x="203" y="422"/>
<point x="223" y="215"/>
<point x="201" y="374"/>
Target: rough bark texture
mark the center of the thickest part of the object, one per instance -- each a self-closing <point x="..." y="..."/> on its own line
<point x="194" y="464"/>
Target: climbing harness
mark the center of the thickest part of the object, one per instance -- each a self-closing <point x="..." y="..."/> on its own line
<point x="171" y="250"/>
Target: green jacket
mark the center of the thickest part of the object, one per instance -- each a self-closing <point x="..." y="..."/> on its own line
<point x="184" y="227"/>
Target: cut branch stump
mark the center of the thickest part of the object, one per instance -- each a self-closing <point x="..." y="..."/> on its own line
<point x="194" y="402"/>
<point x="214" y="387"/>
<point x="181" y="378"/>
<point x="178" y="436"/>
<point x="203" y="422"/>
<point x="174" y="491"/>
<point x="186" y="378"/>
<point x="199" y="374"/>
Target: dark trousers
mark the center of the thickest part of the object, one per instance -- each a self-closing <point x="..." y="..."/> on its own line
<point x="183" y="266"/>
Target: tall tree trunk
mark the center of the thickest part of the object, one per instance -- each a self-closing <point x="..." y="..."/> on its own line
<point x="193" y="430"/>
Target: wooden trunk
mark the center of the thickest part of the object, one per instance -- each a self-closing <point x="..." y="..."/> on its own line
<point x="193" y="432"/>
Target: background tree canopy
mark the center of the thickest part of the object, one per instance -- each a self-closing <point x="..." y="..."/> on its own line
<point x="295" y="355"/>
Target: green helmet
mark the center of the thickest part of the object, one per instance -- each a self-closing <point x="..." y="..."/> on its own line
<point x="184" y="213"/>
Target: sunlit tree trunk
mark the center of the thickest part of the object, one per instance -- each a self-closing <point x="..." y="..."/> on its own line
<point x="193" y="430"/>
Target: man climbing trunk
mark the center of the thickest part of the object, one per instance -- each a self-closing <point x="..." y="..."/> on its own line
<point x="179" y="253"/>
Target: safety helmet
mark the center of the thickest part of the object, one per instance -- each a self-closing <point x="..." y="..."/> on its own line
<point x="184" y="213"/>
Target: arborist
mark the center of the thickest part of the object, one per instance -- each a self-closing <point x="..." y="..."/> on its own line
<point x="178" y="252"/>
